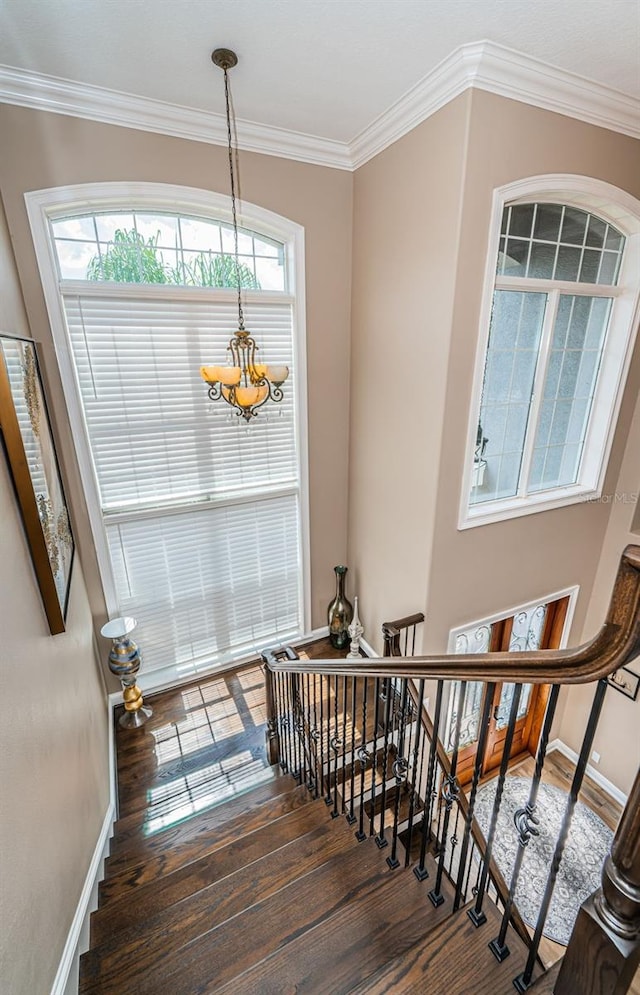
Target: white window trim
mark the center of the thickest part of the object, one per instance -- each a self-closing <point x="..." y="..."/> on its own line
<point x="57" y="202"/>
<point x="622" y="210"/>
<point x="545" y="599"/>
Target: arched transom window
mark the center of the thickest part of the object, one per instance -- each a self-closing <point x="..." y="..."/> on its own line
<point x="198" y="518"/>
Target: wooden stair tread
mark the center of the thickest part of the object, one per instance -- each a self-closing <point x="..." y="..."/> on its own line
<point x="453" y="959"/>
<point x="354" y="942"/>
<point x="129" y="832"/>
<point x="221" y="764"/>
<point x="186" y="843"/>
<point x="218" y="955"/>
<point x="544" y="984"/>
<point x="122" y="914"/>
<point x="173" y="927"/>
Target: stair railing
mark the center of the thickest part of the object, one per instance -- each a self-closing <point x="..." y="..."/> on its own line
<point x="358" y="733"/>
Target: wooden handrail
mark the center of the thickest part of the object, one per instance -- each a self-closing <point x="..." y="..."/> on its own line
<point x="617" y="642"/>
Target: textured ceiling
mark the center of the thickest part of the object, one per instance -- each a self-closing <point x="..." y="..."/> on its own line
<point x="322" y="67"/>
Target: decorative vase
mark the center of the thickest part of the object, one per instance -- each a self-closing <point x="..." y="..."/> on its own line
<point x="124" y="662"/>
<point x="340" y="612"/>
<point x="356" y="629"/>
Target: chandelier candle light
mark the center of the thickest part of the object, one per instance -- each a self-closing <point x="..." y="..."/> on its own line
<point x="243" y="383"/>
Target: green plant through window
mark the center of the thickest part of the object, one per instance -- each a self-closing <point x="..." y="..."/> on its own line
<point x="130" y="258"/>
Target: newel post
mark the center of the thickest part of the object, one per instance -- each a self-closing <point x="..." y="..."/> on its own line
<point x="604" y="949"/>
<point x="273" y="739"/>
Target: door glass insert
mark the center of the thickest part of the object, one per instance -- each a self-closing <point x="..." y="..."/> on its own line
<point x="526" y="634"/>
<point x="475" y="639"/>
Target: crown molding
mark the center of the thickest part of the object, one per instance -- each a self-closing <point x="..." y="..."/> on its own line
<point x="60" y="96"/>
<point x="503" y="71"/>
<point x="482" y="65"/>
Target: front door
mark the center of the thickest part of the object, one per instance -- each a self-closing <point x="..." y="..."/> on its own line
<point x="536" y="627"/>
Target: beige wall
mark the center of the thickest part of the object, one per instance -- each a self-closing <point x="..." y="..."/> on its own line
<point x="421" y="221"/>
<point x="54" y="776"/>
<point x="50" y="150"/>
<point x="618" y="736"/>
<point x="480" y="570"/>
<point x="407" y="203"/>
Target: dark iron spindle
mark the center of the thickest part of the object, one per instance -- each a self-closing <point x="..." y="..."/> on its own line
<point x="314" y="737"/>
<point x="522" y="982"/>
<point x="387" y="692"/>
<point x="477" y="771"/>
<point x="420" y="870"/>
<point x="363" y="757"/>
<point x="351" y="819"/>
<point x="476" y="914"/>
<point x="344" y="744"/>
<point x="416" y="747"/>
<point x="450" y="791"/>
<point x="374" y="758"/>
<point x="400" y="767"/>
<point x="335" y="744"/>
<point x="526" y="822"/>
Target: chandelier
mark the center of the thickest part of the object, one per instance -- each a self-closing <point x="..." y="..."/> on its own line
<point x="243" y="383"/>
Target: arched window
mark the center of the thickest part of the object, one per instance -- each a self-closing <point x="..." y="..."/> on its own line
<point x="558" y="332"/>
<point x="199" y="519"/>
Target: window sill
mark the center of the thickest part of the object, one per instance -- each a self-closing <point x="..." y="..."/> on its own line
<point x="500" y="511"/>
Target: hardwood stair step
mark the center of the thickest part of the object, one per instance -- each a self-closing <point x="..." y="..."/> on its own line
<point x="451" y="960"/>
<point x="218" y="955"/>
<point x="142" y="771"/>
<point x="350" y="945"/>
<point x="544" y="984"/>
<point x="134" y="830"/>
<point x="186" y="843"/>
<point x="171" y="929"/>
<point x="122" y="914"/>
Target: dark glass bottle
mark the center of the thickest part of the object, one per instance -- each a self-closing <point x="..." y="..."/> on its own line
<point x="340" y="612"/>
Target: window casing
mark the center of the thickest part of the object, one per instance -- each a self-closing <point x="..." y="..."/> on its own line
<point x="200" y="522"/>
<point x="557" y="328"/>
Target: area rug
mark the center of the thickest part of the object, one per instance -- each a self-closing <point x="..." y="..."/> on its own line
<point x="588" y="844"/>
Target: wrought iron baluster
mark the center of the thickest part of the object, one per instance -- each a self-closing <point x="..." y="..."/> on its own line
<point x="279" y="714"/>
<point x="420" y="870"/>
<point x="314" y="736"/>
<point x="414" y="777"/>
<point x="400" y="768"/>
<point x="477" y="771"/>
<point x="344" y="744"/>
<point x="351" y="819"/>
<point x="286" y="723"/>
<point x="526" y="822"/>
<point x="363" y="757"/>
<point x="387" y="692"/>
<point x="522" y="982"/>
<point x="325" y="725"/>
<point x="295" y="712"/>
<point x="374" y="758"/>
<point x="476" y="914"/>
<point x="454" y="840"/>
<point x="450" y="791"/>
<point x="307" y="730"/>
<point x="335" y="746"/>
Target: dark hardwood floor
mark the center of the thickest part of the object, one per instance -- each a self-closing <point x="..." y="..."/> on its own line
<point x="204" y="744"/>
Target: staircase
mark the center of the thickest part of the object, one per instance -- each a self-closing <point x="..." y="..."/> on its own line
<point x="268" y="894"/>
<point x="294" y="877"/>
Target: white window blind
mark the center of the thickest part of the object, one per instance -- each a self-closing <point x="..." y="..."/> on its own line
<point x="201" y="511"/>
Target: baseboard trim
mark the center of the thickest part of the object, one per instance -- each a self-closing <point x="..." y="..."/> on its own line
<point x="67" y="975"/>
<point x="593" y="772"/>
<point x="64" y="983"/>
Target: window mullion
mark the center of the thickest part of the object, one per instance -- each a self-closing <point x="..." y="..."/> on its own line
<point x="551" y="312"/>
